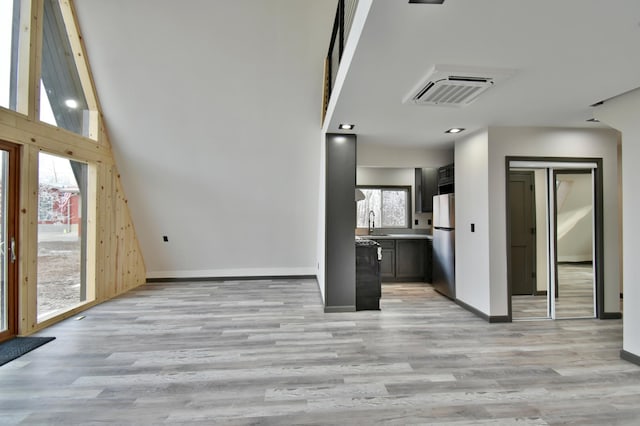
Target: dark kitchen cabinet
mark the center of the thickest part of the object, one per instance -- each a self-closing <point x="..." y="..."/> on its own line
<point x="388" y="262"/>
<point x="403" y="260"/>
<point x="428" y="262"/>
<point x="368" y="281"/>
<point x="426" y="186"/>
<point x="410" y="260"/>
<point x="446" y="179"/>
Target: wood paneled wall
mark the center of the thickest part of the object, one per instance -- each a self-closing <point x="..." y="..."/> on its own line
<point x="114" y="260"/>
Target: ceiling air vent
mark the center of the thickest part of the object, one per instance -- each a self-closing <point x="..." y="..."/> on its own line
<point x="454" y="86"/>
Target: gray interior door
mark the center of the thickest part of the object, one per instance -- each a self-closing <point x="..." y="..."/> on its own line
<point x="522" y="229"/>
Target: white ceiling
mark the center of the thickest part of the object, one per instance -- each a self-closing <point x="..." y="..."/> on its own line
<point x="567" y="55"/>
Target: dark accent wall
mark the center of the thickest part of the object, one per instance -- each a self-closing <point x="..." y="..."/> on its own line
<point x="340" y="255"/>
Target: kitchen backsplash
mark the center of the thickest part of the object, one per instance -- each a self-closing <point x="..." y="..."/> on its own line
<point x="423" y="220"/>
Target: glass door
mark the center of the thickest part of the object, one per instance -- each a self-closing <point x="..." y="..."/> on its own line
<point x="566" y="221"/>
<point x="528" y="213"/>
<point x="62" y="235"/>
<point x="8" y="240"/>
<point x="574" y="236"/>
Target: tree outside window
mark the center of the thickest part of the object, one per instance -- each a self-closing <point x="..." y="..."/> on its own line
<point x="390" y="205"/>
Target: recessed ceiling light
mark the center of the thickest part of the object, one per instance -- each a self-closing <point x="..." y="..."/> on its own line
<point x="427" y="1"/>
<point x="346" y="126"/>
<point x="71" y="103"/>
<point x="455" y="130"/>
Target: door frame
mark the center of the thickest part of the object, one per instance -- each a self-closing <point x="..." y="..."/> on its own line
<point x="554" y="194"/>
<point x="598" y="221"/>
<point x="13" y="199"/>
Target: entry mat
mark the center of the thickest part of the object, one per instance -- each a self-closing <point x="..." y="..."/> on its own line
<point x="19" y="346"/>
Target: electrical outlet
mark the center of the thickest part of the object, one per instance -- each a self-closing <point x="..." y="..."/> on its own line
<point x="428" y="221"/>
<point x="415" y="222"/>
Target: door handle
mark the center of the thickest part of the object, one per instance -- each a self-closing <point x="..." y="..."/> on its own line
<point x="13" y="250"/>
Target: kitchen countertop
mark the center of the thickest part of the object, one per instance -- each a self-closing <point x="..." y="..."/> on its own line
<point x="398" y="237"/>
<point x="366" y="242"/>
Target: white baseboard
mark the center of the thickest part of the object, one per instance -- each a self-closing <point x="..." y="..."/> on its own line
<point x="241" y="272"/>
<point x="575" y="258"/>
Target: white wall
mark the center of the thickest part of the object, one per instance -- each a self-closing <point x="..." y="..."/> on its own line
<point x="371" y="155"/>
<point x="473" y="285"/>
<point x="622" y="113"/>
<point x="384" y="176"/>
<point x="550" y="142"/>
<point x="620" y="210"/>
<point x="394" y="177"/>
<point x="542" y="275"/>
<point x="225" y="162"/>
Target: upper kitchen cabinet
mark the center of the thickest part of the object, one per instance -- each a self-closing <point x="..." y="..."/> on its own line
<point x="426" y="186"/>
<point x="446" y="184"/>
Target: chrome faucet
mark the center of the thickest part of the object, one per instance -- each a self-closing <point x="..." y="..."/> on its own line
<point x="372" y="221"/>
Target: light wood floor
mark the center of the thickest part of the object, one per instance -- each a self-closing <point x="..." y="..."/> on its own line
<point x="575" y="289"/>
<point x="264" y="352"/>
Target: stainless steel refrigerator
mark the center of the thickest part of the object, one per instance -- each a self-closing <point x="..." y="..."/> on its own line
<point x="444" y="238"/>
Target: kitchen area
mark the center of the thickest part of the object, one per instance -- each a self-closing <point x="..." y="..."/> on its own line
<point x="405" y="230"/>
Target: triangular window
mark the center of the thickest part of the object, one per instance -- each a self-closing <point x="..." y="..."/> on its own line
<point x="63" y="100"/>
<point x="9" y="25"/>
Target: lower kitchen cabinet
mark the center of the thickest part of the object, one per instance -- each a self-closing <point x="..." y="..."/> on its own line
<point x="388" y="263"/>
<point x="410" y="260"/>
<point x="405" y="260"/>
<point x="428" y="262"/>
<point x="368" y="289"/>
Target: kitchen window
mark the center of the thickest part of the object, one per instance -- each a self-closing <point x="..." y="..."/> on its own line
<point x="390" y="205"/>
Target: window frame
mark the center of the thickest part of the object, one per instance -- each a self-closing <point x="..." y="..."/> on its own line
<point x="408" y="212"/>
<point x="15" y="35"/>
<point x="87" y="220"/>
